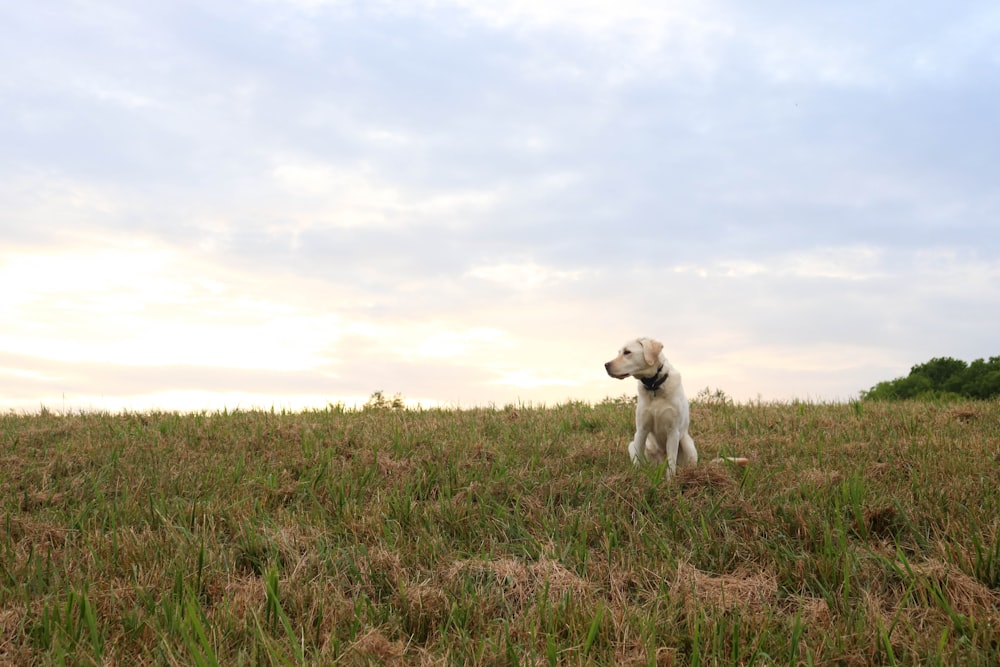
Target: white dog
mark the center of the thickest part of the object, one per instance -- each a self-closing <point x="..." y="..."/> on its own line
<point x="662" y="415"/>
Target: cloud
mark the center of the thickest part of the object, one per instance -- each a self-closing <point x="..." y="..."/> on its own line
<point x="353" y="197"/>
<point x="530" y="380"/>
<point x="851" y="263"/>
<point x="522" y="275"/>
<point x="147" y="304"/>
<point x="445" y="343"/>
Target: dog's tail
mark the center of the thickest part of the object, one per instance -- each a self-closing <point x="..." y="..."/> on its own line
<point x="737" y="460"/>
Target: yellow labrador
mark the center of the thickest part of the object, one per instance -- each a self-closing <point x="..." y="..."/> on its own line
<point x="661" y="414"/>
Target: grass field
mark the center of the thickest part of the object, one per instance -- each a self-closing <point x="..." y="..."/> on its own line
<point x="861" y="533"/>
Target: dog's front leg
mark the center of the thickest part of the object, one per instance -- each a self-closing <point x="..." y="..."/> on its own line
<point x="672" y="445"/>
<point x="637" y="448"/>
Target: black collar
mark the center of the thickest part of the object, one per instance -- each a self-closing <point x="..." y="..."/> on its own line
<point x="655" y="382"/>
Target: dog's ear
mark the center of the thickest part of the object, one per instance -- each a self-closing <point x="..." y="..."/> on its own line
<point x="651" y="350"/>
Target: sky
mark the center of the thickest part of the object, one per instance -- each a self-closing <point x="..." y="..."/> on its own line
<point x="292" y="203"/>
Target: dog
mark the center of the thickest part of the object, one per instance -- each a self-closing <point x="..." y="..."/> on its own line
<point x="662" y="414"/>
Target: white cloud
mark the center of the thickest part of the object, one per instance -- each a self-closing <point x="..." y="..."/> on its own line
<point x="592" y="17"/>
<point x="852" y="263"/>
<point x="328" y="195"/>
<point x="40" y="200"/>
<point x="316" y="179"/>
<point x="146" y="304"/>
<point x="447" y="343"/>
<point x="588" y="16"/>
<point x="120" y="96"/>
<point x="530" y="380"/>
<point x="522" y="275"/>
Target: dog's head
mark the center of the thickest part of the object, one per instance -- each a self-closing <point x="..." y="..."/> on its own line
<point x="637" y="357"/>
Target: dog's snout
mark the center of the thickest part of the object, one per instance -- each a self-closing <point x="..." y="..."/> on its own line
<point x="610" y="370"/>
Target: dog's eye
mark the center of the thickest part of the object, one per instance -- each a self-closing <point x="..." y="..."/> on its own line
<point x="626" y="352"/>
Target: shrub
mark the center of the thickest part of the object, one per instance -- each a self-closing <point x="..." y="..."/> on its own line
<point x="942" y="377"/>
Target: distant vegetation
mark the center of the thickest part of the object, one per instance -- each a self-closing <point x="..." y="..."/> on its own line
<point x="942" y="377"/>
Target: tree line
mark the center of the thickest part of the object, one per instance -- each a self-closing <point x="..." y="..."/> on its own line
<point x="942" y="377"/>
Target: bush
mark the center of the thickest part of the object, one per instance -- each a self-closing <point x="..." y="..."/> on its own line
<point x="942" y="377"/>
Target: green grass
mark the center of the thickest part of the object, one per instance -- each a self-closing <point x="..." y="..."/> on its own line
<point x="861" y="533"/>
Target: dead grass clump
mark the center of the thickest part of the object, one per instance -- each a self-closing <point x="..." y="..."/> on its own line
<point x="45" y="435"/>
<point x="753" y="593"/>
<point x="941" y="595"/>
<point x="621" y="482"/>
<point x="965" y="594"/>
<point x="283" y="490"/>
<point x="36" y="500"/>
<point x="880" y="469"/>
<point x="381" y="573"/>
<point x="815" y="611"/>
<point x="388" y="466"/>
<point x="819" y="477"/>
<point x="35" y="534"/>
<point x="425" y="607"/>
<point x="245" y="596"/>
<point x="665" y="656"/>
<point x="521" y="581"/>
<point x="465" y="497"/>
<point x="11" y="628"/>
<point x="589" y="455"/>
<point x="426" y="598"/>
<point x="377" y="646"/>
<point x="258" y="549"/>
<point x="964" y="414"/>
<point x="392" y="467"/>
<point x="294" y="544"/>
<point x="706" y="477"/>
